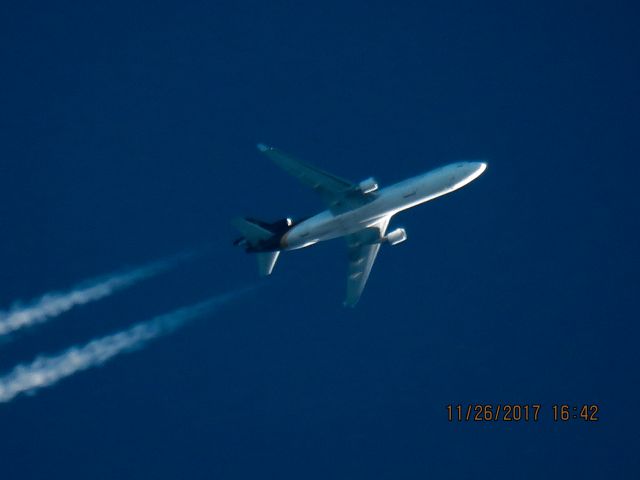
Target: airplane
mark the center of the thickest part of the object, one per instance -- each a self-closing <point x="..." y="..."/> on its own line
<point x="359" y="212"/>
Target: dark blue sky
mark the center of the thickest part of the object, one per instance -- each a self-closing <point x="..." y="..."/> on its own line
<point x="128" y="132"/>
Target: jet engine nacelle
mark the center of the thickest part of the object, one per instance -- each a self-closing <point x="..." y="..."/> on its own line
<point x="367" y="186"/>
<point x="282" y="224"/>
<point x="399" y="235"/>
<point x="279" y="226"/>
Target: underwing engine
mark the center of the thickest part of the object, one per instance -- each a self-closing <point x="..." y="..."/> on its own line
<point x="367" y="186"/>
<point x="399" y="235"/>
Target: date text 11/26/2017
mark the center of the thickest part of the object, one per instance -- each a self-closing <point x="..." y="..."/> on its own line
<point x="498" y="412"/>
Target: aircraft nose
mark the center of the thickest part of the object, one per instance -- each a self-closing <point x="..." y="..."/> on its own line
<point x="478" y="168"/>
<point x="471" y="170"/>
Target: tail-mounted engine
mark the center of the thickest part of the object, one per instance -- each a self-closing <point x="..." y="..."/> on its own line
<point x="258" y="235"/>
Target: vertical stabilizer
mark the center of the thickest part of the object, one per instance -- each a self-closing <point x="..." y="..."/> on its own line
<point x="266" y="262"/>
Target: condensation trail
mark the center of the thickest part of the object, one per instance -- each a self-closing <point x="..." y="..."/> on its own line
<point x="45" y="371"/>
<point x="50" y="305"/>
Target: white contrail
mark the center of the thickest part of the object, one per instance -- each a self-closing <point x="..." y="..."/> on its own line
<point x="52" y="304"/>
<point x="45" y="371"/>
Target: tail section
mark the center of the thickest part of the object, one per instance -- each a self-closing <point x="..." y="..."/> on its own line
<point x="266" y="262"/>
<point x="261" y="238"/>
<point x="253" y="233"/>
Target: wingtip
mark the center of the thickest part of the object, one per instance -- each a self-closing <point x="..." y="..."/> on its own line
<point x="236" y="220"/>
<point x="262" y="147"/>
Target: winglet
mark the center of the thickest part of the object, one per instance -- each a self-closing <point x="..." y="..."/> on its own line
<point x="262" y="147"/>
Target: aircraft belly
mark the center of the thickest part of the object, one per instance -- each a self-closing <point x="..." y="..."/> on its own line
<point x="391" y="200"/>
<point x="341" y="225"/>
<point x="415" y="191"/>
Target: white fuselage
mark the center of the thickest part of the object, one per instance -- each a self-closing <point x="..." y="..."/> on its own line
<point x="389" y="201"/>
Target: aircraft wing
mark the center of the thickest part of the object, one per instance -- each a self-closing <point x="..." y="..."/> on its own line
<point x="339" y="194"/>
<point x="363" y="247"/>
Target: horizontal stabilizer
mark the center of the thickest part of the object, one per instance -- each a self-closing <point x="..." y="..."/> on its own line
<point x="266" y="262"/>
<point x="252" y="232"/>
